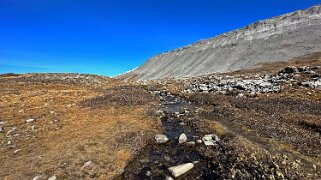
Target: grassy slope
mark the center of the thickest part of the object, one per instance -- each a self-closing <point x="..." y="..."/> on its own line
<point x="72" y="126"/>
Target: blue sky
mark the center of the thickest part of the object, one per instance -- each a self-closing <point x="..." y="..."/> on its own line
<point x="108" y="37"/>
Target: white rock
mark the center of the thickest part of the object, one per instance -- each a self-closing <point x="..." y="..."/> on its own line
<point x="30" y="120"/>
<point x="16" y="151"/>
<point x="180" y="169"/>
<point x="52" y="178"/>
<point x="182" y="138"/>
<point x="168" y="178"/>
<point x="207" y="137"/>
<point x="210" y="139"/>
<point x="36" y="178"/>
<point x="87" y="164"/>
<point x="161" y="138"/>
<point x="191" y="143"/>
<point x="209" y="143"/>
<point x="199" y="141"/>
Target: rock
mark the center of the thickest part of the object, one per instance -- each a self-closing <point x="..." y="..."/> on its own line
<point x="302" y="69"/>
<point x="1" y="129"/>
<point x="53" y="178"/>
<point x="87" y="164"/>
<point x="210" y="139"/>
<point x="161" y="138"/>
<point x="160" y="113"/>
<point x="291" y="69"/>
<point x="182" y="138"/>
<point x="180" y="169"/>
<point x="240" y="95"/>
<point x="199" y="141"/>
<point x="30" y="120"/>
<point x="168" y="178"/>
<point x="148" y="173"/>
<point x="37" y="177"/>
<point x="2" y="123"/>
<point x="209" y="143"/>
<point x="16" y="151"/>
<point x="191" y="143"/>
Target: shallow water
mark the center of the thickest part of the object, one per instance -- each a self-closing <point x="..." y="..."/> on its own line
<point x="153" y="162"/>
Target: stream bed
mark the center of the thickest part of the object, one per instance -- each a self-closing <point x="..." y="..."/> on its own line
<point x="155" y="159"/>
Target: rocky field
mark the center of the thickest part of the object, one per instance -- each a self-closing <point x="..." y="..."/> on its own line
<point x="262" y="123"/>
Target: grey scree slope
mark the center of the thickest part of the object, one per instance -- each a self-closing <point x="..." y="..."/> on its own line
<point x="276" y="39"/>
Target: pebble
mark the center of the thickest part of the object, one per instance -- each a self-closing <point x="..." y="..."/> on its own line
<point x="161" y="138"/>
<point x="168" y="178"/>
<point x="1" y="129"/>
<point x="182" y="138"/>
<point x="180" y="169"/>
<point x="52" y="178"/>
<point x="36" y="178"/>
<point x="210" y="139"/>
<point x="167" y="158"/>
<point x="199" y="141"/>
<point x="16" y="151"/>
<point x="30" y="120"/>
<point x="191" y="143"/>
<point x="87" y="164"/>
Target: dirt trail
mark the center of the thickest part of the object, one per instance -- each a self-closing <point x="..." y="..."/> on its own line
<point x="153" y="162"/>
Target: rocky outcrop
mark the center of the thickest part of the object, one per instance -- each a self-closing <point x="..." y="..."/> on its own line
<point x="253" y="85"/>
<point x="277" y="39"/>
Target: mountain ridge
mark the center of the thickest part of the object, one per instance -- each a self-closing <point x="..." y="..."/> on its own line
<point x="279" y="38"/>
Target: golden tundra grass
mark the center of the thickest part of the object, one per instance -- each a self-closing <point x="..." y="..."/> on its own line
<point x="65" y="133"/>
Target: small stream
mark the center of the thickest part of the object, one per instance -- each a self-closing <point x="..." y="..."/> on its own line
<point x="153" y="162"/>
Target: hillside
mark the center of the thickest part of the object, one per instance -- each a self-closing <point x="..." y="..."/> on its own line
<point x="276" y="39"/>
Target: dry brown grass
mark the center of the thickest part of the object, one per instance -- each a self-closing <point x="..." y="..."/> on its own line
<point x="66" y="134"/>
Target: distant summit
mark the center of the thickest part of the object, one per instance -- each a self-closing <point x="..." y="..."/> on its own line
<point x="276" y="39"/>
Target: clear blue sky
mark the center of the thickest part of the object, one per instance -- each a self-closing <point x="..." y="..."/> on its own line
<point x="109" y="37"/>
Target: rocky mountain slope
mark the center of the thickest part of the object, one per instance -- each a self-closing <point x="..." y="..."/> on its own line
<point x="276" y="39"/>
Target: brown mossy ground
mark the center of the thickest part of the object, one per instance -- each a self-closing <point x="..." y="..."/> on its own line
<point x="76" y="121"/>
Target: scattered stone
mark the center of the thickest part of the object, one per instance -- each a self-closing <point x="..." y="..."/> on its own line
<point x="182" y="124"/>
<point x="199" y="141"/>
<point x="37" y="177"/>
<point x="180" y="169"/>
<point x="191" y="143"/>
<point x="53" y="178"/>
<point x="13" y="129"/>
<point x="2" y="123"/>
<point x="1" y="129"/>
<point x="148" y="173"/>
<point x="168" y="178"/>
<point x="209" y="143"/>
<point x="210" y="139"/>
<point x="291" y="69"/>
<point x="87" y="164"/>
<point x="30" y="120"/>
<point x="16" y="151"/>
<point x="160" y="113"/>
<point x="302" y="69"/>
<point x="182" y="138"/>
<point x="240" y="95"/>
<point x="161" y="138"/>
<point x="167" y="158"/>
